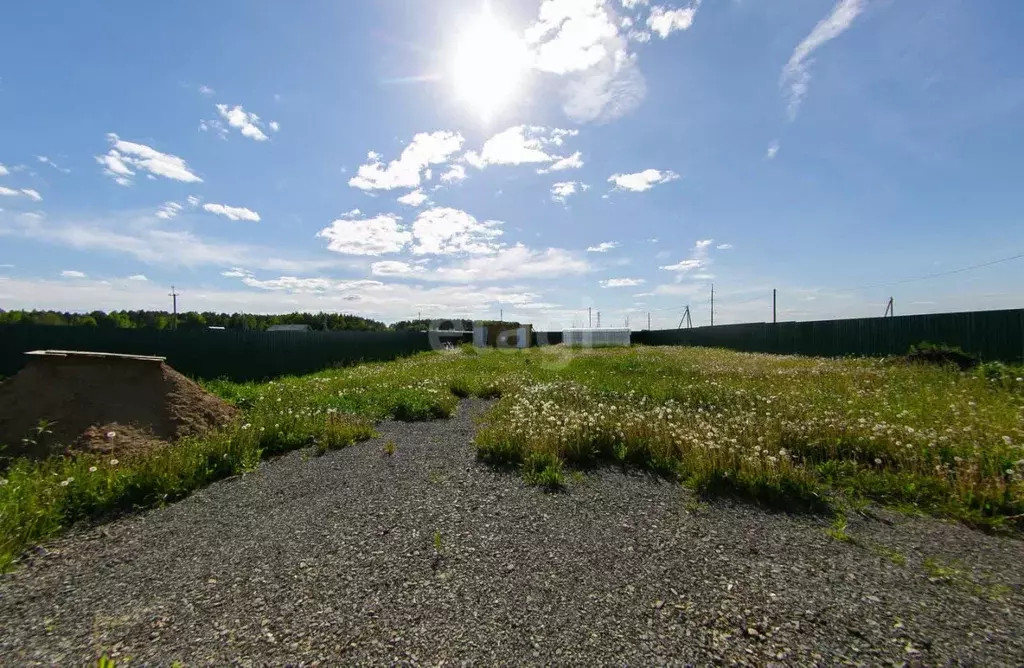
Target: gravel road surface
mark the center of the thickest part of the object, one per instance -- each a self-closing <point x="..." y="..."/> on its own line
<point x="333" y="560"/>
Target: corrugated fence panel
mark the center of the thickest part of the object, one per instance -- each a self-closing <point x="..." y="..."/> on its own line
<point x="991" y="335"/>
<point x="235" y="354"/>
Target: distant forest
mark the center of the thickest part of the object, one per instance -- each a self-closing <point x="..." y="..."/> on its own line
<point x="196" y="320"/>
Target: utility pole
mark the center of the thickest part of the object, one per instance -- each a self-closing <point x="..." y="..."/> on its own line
<point x="599" y="320"/>
<point x="627" y="322"/>
<point x="174" y="301"/>
<point x="648" y="321"/>
<point x="590" y="320"/>
<point x="890" y="311"/>
<point x="712" y="304"/>
<point x="501" y="315"/>
<point x="686" y="319"/>
<point x="773" y="307"/>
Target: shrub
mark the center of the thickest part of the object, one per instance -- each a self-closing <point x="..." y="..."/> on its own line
<point x="941" y="354"/>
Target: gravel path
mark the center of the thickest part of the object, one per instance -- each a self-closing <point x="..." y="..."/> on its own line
<point x="332" y="560"/>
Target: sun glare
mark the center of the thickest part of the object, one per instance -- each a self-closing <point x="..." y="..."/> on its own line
<point x="490" y="61"/>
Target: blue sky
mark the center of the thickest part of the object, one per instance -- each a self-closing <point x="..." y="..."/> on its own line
<point x="396" y="157"/>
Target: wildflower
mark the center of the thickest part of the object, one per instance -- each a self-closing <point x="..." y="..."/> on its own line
<point x="113" y="462"/>
<point x="64" y="483"/>
<point x="92" y="469"/>
<point x="3" y="481"/>
<point x="246" y="425"/>
<point x="878" y="461"/>
<point x="1007" y="440"/>
<point x="111" y="435"/>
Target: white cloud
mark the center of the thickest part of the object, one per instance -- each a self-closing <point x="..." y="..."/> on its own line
<point x="47" y="161"/>
<point x="641" y="181"/>
<point x="603" y="247"/>
<point x="698" y="258"/>
<point x="215" y="126"/>
<point x="641" y="36"/>
<point x="136" y="236"/>
<point x="138" y="277"/>
<point x="206" y="90"/>
<point x="415" y="198"/>
<point x="519" y="145"/>
<point x="233" y="212"/>
<point x="773" y="148"/>
<point x="193" y="200"/>
<point x="570" y="35"/>
<point x="630" y="4"/>
<point x="724" y="246"/>
<point x="3" y="170"/>
<point x="565" y="189"/>
<point x="368" y="236"/>
<point x="236" y="272"/>
<point x="246" y="122"/>
<point x="274" y="125"/>
<point x="69" y="273"/>
<point x="353" y="213"/>
<point x="581" y="39"/>
<point x="375" y="299"/>
<point x="23" y="192"/>
<point x="169" y="210"/>
<point x="514" y="263"/>
<point x="680" y="289"/>
<point x="622" y="282"/>
<point x="454" y="174"/>
<point x="394" y="268"/>
<point x="425" y="149"/>
<point x="294" y="284"/>
<point x="611" y="89"/>
<point x="796" y="74"/>
<point x="447" y="231"/>
<point x="665" y="21"/>
<point x="573" y="161"/>
<point x="124" y="155"/>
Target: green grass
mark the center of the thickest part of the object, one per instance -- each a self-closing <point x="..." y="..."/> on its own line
<point x="790" y="432"/>
<point x="38" y="499"/>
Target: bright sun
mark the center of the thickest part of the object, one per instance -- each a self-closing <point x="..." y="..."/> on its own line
<point x="490" y="61"/>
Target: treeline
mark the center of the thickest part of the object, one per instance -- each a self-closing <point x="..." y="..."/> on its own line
<point x="189" y="320"/>
<point x="196" y="320"/>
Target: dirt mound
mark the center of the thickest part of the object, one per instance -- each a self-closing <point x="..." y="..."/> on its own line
<point x="102" y="404"/>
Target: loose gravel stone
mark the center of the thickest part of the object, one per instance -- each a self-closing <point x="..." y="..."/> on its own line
<point x="427" y="556"/>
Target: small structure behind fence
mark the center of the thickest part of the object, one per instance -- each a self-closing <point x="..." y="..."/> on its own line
<point x="594" y="337"/>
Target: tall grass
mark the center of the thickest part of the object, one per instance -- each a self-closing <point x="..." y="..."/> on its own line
<point x="38" y="499"/>
<point x="788" y="431"/>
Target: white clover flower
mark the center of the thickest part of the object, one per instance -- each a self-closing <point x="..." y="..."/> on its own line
<point x="1007" y="440"/>
<point x="878" y="460"/>
<point x="64" y="483"/>
<point x="113" y="462"/>
<point x="92" y="469"/>
<point x="111" y="435"/>
<point x="3" y="481"/>
<point x="246" y="425"/>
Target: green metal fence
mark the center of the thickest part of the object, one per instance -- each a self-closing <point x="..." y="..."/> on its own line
<point x="991" y="335"/>
<point x="235" y="354"/>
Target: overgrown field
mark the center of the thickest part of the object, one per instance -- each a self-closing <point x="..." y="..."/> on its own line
<point x="800" y="433"/>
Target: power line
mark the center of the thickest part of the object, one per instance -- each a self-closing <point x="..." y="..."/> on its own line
<point x="936" y="275"/>
<point x="870" y="287"/>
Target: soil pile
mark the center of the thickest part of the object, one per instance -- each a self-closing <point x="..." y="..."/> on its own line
<point x="102" y="404"/>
